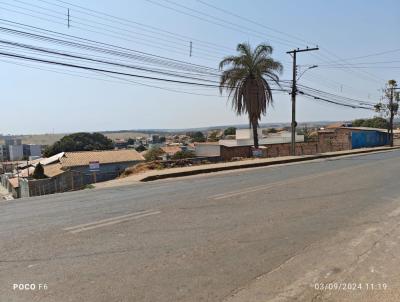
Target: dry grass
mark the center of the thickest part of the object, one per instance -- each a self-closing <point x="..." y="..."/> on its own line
<point x="142" y="167"/>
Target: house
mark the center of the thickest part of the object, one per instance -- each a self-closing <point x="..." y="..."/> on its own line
<point x="68" y="171"/>
<point x="171" y="150"/>
<point x="110" y="162"/>
<point x="120" y="143"/>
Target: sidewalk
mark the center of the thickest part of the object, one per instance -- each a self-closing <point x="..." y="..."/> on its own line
<point x="359" y="264"/>
<point x="248" y="163"/>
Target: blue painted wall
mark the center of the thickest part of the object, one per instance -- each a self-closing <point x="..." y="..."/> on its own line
<point x="362" y="139"/>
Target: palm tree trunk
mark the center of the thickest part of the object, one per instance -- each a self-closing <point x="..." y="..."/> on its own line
<point x="255" y="134"/>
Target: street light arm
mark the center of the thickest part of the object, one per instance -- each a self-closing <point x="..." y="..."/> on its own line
<point x="311" y="67"/>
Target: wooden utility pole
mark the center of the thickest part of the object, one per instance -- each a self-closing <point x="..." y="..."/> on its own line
<point x="294" y="91"/>
<point x="391" y="115"/>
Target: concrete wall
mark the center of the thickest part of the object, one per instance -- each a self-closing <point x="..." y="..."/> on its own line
<point x="329" y="140"/>
<point x="36" y="187"/>
<point x="273" y="150"/>
<point x="71" y="180"/>
<point x="227" y="153"/>
<point x="207" y="150"/>
<point x="334" y="140"/>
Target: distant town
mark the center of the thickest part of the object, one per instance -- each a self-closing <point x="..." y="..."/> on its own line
<point x="78" y="161"/>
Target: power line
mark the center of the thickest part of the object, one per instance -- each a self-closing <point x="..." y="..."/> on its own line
<point x="367" y="56"/>
<point x="102" y="46"/>
<point x="111" y="33"/>
<point x="334" y="102"/>
<point x="210" y="19"/>
<point x="254" y="22"/>
<point x="96" y="13"/>
<point x="51" y="62"/>
<point x="366" y="75"/>
<point x="49" y="51"/>
<point x="203" y="50"/>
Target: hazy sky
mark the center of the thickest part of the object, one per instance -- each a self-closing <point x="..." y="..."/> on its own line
<point x="39" y="101"/>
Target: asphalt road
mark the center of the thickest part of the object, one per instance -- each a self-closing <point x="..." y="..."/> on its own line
<point x="189" y="239"/>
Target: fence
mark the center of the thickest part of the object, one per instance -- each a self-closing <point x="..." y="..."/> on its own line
<point x="68" y="181"/>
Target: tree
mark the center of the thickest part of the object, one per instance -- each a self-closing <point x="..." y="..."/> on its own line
<point x="230" y="131"/>
<point x="183" y="154"/>
<point x="81" y="141"/>
<point x="391" y="106"/>
<point x="358" y="122"/>
<point x="213" y="137"/>
<point x="38" y="173"/>
<point x="375" y="122"/>
<point x="247" y="81"/>
<point x="197" y="137"/>
<point x="153" y="153"/>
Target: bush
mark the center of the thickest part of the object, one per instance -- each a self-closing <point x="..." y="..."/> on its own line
<point x="153" y="153"/>
<point x="183" y="154"/>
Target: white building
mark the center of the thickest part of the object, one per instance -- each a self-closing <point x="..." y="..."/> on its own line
<point x="207" y="149"/>
<point x="244" y="137"/>
<point x="35" y="150"/>
<point x="16" y="152"/>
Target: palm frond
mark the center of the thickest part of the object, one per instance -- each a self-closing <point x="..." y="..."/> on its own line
<point x="247" y="80"/>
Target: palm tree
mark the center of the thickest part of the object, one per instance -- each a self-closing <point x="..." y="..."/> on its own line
<point x="247" y="81"/>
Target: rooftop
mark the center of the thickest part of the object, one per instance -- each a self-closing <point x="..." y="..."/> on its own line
<point x="83" y="158"/>
<point x="171" y="150"/>
<point x="53" y="170"/>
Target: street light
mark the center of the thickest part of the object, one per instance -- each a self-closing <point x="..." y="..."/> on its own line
<point x="311" y="67"/>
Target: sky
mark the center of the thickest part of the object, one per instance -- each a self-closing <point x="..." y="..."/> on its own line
<point x="50" y="101"/>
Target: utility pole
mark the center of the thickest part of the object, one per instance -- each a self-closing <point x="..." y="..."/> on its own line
<point x="393" y="107"/>
<point x="294" y="91"/>
<point x="391" y="115"/>
<point x="190" y="48"/>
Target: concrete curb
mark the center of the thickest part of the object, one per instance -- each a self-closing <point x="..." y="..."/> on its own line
<point x="259" y="164"/>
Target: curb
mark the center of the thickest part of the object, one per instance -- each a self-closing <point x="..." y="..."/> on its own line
<point x="259" y="164"/>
